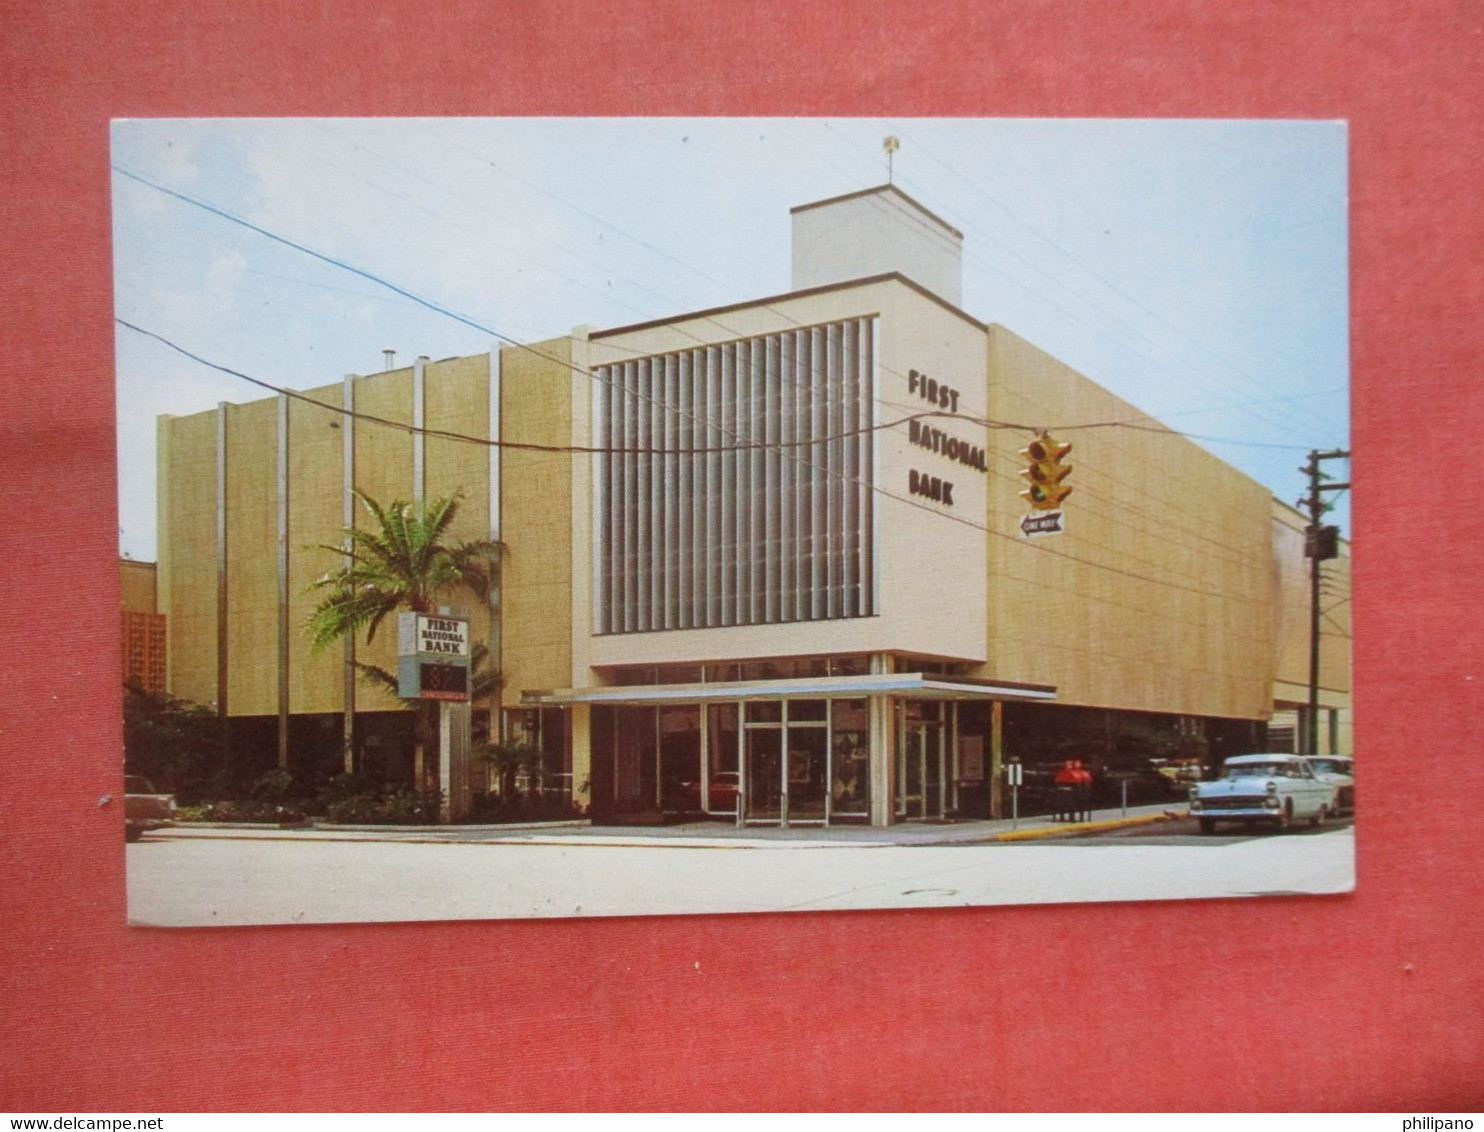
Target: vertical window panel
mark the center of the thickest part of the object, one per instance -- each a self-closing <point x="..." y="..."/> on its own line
<point x="699" y="409"/>
<point x="742" y="490"/>
<point x="738" y="488"/>
<point x="787" y="425"/>
<point x="643" y="505"/>
<point x="669" y="412"/>
<point x="757" y="553"/>
<point x="714" y="486"/>
<point x="818" y="475"/>
<point x="728" y="508"/>
<point x="803" y="541"/>
<point x="629" y="500"/>
<point x="685" y="492"/>
<point x="849" y="462"/>
<point x="769" y="500"/>
<point x="867" y="379"/>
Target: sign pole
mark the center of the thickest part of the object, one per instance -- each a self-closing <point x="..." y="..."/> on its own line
<point x="1015" y="773"/>
<point x="433" y="663"/>
<point x="445" y="759"/>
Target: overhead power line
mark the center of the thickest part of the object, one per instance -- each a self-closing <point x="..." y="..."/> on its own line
<point x="437" y="308"/>
<point x="1037" y="547"/>
<point x="582" y="371"/>
<point x="531" y="446"/>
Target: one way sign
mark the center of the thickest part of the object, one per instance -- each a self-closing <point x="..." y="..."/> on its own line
<point x="1039" y="524"/>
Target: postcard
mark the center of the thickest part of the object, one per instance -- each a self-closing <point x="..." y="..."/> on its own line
<point x="607" y="517"/>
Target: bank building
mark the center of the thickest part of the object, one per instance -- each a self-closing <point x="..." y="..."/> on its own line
<point x="770" y="562"/>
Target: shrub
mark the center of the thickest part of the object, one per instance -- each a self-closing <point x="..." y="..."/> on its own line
<point x="252" y="810"/>
<point x="174" y="743"/>
<point x="398" y="806"/>
<point x="346" y="786"/>
<point x="500" y="808"/>
<point x="273" y="786"/>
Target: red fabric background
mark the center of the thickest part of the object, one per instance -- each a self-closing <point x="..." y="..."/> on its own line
<point x="1368" y="1001"/>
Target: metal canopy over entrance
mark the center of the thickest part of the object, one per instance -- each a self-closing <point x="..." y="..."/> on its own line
<point x="917" y="685"/>
<point x="878" y="747"/>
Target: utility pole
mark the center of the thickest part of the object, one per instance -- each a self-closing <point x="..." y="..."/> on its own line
<point x="1320" y="543"/>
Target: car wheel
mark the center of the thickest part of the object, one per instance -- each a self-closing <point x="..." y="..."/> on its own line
<point x="1285" y="818"/>
<point x="1208" y="825"/>
<point x="132" y="833"/>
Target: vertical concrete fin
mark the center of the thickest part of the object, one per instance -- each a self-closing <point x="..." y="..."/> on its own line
<point x="283" y="581"/>
<point x="348" y="519"/>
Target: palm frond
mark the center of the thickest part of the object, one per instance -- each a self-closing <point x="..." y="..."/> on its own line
<point x="399" y="560"/>
<point x="377" y="676"/>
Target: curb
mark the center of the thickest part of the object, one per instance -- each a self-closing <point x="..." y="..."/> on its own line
<point x="533" y="834"/>
<point x="312" y="826"/>
<point x="487" y="827"/>
<point x="1078" y="830"/>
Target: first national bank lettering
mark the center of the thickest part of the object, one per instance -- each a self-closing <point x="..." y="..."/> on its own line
<point x="924" y="435"/>
<point x="438" y="635"/>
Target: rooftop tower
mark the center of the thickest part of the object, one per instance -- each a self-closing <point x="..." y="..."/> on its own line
<point x="873" y="232"/>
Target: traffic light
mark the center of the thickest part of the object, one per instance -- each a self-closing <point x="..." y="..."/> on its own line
<point x="1044" y="474"/>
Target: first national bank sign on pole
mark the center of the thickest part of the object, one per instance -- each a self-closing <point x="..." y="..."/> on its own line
<point x="432" y="657"/>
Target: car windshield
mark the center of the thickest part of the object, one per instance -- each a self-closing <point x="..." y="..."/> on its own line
<point x="1329" y="766"/>
<point x="1259" y="770"/>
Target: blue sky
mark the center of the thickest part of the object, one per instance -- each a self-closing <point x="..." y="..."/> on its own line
<point x="1199" y="269"/>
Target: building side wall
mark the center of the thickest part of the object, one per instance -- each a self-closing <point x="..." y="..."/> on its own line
<point x="536" y="407"/>
<point x="137" y="586"/>
<point x="456" y="395"/>
<point x="456" y="399"/>
<point x="252" y="566"/>
<point x="383" y="459"/>
<point x="314" y="486"/>
<point x="1159" y="595"/>
<point x="186" y="457"/>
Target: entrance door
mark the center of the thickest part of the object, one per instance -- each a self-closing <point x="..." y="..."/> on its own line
<point x="921" y="775"/>
<point x="764" y="777"/>
<point x="808" y="773"/>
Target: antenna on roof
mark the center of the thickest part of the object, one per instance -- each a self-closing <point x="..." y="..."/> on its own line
<point x="891" y="145"/>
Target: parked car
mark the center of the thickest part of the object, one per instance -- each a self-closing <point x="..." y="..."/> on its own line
<point x="144" y="809"/>
<point x="723" y="795"/>
<point x="724" y="792"/>
<point x="1275" y="790"/>
<point x="1339" y="772"/>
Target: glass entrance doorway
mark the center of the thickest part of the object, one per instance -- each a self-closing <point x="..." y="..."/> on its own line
<point x="764" y="773"/>
<point x="808" y="773"/>
<point x="924" y="773"/>
<point x="786" y="762"/>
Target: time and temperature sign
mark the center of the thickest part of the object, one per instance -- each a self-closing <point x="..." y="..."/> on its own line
<point x="432" y="657"/>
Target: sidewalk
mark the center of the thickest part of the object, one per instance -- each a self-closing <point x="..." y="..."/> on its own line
<point x="719" y="835"/>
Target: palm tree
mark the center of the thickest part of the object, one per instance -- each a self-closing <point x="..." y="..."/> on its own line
<point x="403" y="560"/>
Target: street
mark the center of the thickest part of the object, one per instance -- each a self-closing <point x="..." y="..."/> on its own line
<point x="1186" y="831"/>
<point x="292" y="877"/>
